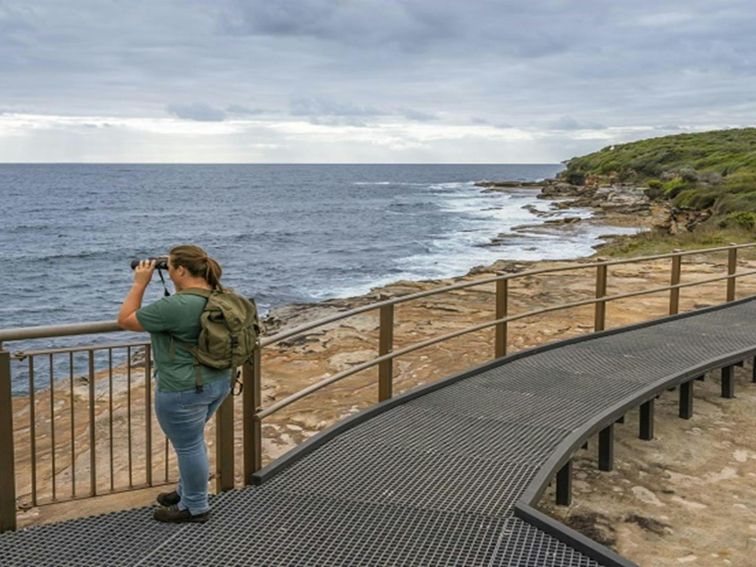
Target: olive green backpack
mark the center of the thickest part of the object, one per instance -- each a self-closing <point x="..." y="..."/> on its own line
<point x="230" y="331"/>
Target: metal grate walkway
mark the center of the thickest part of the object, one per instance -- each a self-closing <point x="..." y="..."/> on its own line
<point x="427" y="479"/>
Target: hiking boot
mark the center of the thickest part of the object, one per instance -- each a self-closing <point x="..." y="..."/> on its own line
<point x="168" y="499"/>
<point x="173" y="515"/>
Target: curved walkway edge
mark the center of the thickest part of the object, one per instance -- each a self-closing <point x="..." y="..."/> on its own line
<point x="446" y="474"/>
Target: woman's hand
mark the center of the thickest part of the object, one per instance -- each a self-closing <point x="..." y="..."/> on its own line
<point x="143" y="272"/>
<point x="142" y="276"/>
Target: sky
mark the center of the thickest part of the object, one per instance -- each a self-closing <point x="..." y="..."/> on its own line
<point x="365" y="81"/>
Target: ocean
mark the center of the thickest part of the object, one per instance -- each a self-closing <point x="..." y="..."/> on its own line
<point x="283" y="233"/>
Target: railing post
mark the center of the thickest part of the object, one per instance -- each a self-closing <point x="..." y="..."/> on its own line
<point x="251" y="403"/>
<point x="732" y="267"/>
<point x="674" y="293"/>
<point x="647" y="420"/>
<point x="728" y="382"/>
<point x="224" y="444"/>
<point x="385" y="346"/>
<point x="564" y="485"/>
<point x="686" y="399"/>
<point x="606" y="448"/>
<point x="502" y="308"/>
<point x="148" y="415"/>
<point x="599" y="322"/>
<point x="92" y="429"/>
<point x="7" y="458"/>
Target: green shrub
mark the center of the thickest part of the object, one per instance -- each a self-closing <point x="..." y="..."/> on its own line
<point x="672" y="188"/>
<point x="696" y="198"/>
<point x="654" y="190"/>
<point x="741" y="182"/>
<point x="745" y="220"/>
<point x="575" y="177"/>
<point x="608" y="167"/>
<point x="627" y="174"/>
<point x="735" y="203"/>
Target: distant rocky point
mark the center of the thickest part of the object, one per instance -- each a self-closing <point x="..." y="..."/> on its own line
<point x="508" y="184"/>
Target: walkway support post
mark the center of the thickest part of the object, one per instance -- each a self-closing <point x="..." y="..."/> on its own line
<point x="147" y="410"/>
<point x="732" y="267"/>
<point x="502" y="308"/>
<point x="599" y="321"/>
<point x="224" y="444"/>
<point x="674" y="293"/>
<point x="564" y="485"/>
<point x="606" y="448"/>
<point x="686" y="399"/>
<point x="7" y="462"/>
<point x="385" y="346"/>
<point x="647" y="420"/>
<point x="92" y="440"/>
<point x="728" y="382"/>
<point x="251" y="403"/>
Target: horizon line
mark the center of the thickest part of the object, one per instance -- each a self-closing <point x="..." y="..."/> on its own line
<point x="266" y="163"/>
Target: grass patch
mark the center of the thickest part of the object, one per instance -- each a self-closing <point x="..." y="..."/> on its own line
<point x="658" y="242"/>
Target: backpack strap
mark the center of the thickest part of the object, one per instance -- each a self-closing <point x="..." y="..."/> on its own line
<point x="188" y="347"/>
<point x="206" y="293"/>
<point x="202" y="292"/>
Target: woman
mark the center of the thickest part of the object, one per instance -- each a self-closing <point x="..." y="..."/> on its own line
<point x="181" y="407"/>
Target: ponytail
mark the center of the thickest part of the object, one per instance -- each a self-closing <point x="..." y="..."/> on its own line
<point x="213" y="273"/>
<point x="198" y="263"/>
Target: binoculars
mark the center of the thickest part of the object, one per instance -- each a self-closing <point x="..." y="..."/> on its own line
<point x="161" y="262"/>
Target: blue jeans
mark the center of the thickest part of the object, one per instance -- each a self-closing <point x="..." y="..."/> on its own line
<point x="182" y="416"/>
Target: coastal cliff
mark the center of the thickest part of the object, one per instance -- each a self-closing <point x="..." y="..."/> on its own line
<point x="712" y="174"/>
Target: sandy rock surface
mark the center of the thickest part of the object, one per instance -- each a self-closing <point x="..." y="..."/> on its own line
<point x="687" y="497"/>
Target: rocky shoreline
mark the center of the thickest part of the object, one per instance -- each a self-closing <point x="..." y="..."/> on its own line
<point x="613" y="205"/>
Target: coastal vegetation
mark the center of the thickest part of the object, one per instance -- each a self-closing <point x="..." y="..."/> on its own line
<point x="659" y="242"/>
<point x="711" y="171"/>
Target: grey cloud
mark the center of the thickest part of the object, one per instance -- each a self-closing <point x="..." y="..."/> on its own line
<point x="368" y="22"/>
<point x="197" y="111"/>
<point x="318" y="107"/>
<point x="419" y="115"/>
<point x="314" y="107"/>
<point x="569" y="123"/>
<point x="353" y="121"/>
<point x="546" y="66"/>
<point x="496" y="124"/>
<point x="669" y="127"/>
<point x="238" y="109"/>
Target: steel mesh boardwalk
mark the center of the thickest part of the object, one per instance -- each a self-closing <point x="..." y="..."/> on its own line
<point x="427" y="479"/>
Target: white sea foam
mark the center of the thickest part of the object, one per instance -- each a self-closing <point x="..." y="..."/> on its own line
<point x="397" y="183"/>
<point x="481" y="217"/>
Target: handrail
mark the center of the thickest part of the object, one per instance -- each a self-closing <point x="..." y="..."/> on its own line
<point x="479" y="327"/>
<point x="25" y="354"/>
<point x="51" y="331"/>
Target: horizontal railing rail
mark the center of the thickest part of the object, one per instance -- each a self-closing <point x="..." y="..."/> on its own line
<point x="481" y="326"/>
<point x="253" y="412"/>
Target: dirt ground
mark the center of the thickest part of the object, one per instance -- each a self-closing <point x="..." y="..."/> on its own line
<point x="688" y="496"/>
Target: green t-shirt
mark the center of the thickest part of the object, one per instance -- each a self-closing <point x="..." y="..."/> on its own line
<point x="177" y="315"/>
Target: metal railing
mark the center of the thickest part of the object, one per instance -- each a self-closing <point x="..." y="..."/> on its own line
<point x="99" y="457"/>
